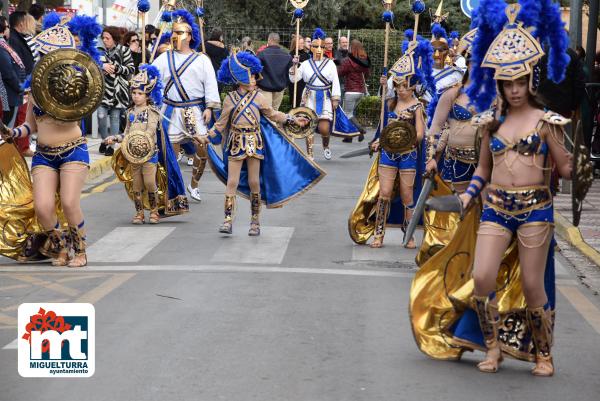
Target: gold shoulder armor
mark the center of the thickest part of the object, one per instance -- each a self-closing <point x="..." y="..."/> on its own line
<point x="483" y="118"/>
<point x="555" y="119"/>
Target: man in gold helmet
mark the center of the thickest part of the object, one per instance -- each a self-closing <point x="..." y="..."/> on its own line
<point x="190" y="90"/>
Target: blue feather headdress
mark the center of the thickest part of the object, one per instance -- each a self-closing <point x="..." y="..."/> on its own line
<point x="542" y="19"/>
<point x="319" y="34"/>
<point x="148" y="80"/>
<point x="51" y="19"/>
<point x="438" y="34"/>
<point x="88" y="30"/>
<point x="239" y="69"/>
<point x="185" y="17"/>
<point x="454" y="38"/>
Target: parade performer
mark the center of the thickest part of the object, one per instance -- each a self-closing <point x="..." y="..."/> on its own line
<point x="457" y="141"/>
<point x="399" y="151"/>
<point x="146" y="160"/>
<point x="322" y="94"/>
<point x="191" y="94"/>
<point x="275" y="171"/>
<point x="505" y="305"/>
<point x="66" y="85"/>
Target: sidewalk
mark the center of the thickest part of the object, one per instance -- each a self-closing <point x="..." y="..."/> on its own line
<point x="586" y="237"/>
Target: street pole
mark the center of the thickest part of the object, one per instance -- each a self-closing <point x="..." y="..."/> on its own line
<point x="592" y="33"/>
<point x="575" y="23"/>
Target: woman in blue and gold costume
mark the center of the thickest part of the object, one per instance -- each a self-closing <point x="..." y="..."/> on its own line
<point x="258" y="161"/>
<point x="146" y="160"/>
<point x="65" y="85"/>
<point x="396" y="170"/>
<point x="505" y="304"/>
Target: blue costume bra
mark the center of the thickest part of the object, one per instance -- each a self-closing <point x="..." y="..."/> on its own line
<point x="460" y="113"/>
<point x="528" y="145"/>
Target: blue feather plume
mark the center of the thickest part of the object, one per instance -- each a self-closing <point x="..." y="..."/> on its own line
<point x="551" y="32"/>
<point x="438" y="31"/>
<point x="88" y="30"/>
<point x="319" y="34"/>
<point x="490" y="19"/>
<point x="246" y="59"/>
<point x="51" y="19"/>
<point x="143" y="6"/>
<point x="166" y="16"/>
<point x="153" y="73"/>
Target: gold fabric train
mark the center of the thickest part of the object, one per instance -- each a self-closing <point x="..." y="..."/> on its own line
<point x="441" y="292"/>
<point x="21" y="234"/>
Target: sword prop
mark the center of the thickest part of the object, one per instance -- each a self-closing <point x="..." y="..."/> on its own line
<point x="418" y="210"/>
<point x="357" y="153"/>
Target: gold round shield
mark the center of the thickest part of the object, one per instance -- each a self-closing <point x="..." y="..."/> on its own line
<point x="296" y="131"/>
<point x="138" y="147"/>
<point x="67" y="84"/>
<point x="398" y="137"/>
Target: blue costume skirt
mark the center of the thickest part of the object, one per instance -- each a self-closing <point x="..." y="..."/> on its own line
<point x="457" y="171"/>
<point x="55" y="157"/>
<point x="401" y="161"/>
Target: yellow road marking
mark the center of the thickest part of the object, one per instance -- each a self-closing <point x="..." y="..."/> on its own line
<point x="15" y="307"/>
<point x="106" y="287"/>
<point x="585" y="308"/>
<point x="14" y="287"/>
<point x="47" y="284"/>
<point x="79" y="277"/>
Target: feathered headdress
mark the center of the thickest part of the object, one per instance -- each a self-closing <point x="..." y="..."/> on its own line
<point x="511" y="50"/>
<point x="454" y="38"/>
<point x="239" y="68"/>
<point x="182" y="16"/>
<point x="319" y="34"/>
<point x="88" y="30"/>
<point x="59" y="33"/>
<point x="438" y="34"/>
<point x="148" y="80"/>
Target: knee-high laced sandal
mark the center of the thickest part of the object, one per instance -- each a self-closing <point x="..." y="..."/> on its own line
<point x="78" y="242"/>
<point x="540" y="322"/>
<point x="254" y="230"/>
<point x="139" y="217"/>
<point x="383" y="206"/>
<point x="152" y="200"/>
<point x="227" y="226"/>
<point x="489" y="320"/>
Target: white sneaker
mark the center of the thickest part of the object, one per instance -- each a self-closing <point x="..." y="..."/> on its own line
<point x="327" y="153"/>
<point x="194" y="193"/>
<point x="180" y="155"/>
<point x="190" y="161"/>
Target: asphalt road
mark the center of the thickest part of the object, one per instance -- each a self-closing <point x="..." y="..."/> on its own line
<point x="300" y="313"/>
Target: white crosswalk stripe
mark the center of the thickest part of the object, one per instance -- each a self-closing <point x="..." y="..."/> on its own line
<point x="269" y="248"/>
<point x="127" y="244"/>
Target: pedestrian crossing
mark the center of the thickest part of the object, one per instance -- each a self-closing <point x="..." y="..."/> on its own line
<point x="168" y="246"/>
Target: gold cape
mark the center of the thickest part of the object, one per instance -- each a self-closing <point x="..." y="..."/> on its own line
<point x="22" y="234"/>
<point x="441" y="292"/>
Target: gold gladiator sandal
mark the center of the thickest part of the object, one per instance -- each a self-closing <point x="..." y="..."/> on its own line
<point x="227" y="226"/>
<point x="489" y="321"/>
<point x="198" y="170"/>
<point x="255" y="210"/>
<point x="310" y="141"/>
<point x="383" y="206"/>
<point x="55" y="247"/>
<point x="152" y="200"/>
<point x="540" y="322"/>
<point x="78" y="243"/>
<point x="139" y="217"/>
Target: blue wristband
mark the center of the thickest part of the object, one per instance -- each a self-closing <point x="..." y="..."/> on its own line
<point x="475" y="189"/>
<point x="470" y="192"/>
<point x="480" y="179"/>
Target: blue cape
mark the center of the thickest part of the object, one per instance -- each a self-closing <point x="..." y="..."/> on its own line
<point x="285" y="172"/>
<point x="342" y="126"/>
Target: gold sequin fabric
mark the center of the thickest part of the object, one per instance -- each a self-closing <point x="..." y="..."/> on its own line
<point x="518" y="201"/>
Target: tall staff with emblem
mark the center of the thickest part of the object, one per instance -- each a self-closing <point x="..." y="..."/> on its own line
<point x="200" y="14"/>
<point x="388" y="18"/>
<point x="143" y="7"/>
<point x="298" y="15"/>
<point x="168" y="7"/>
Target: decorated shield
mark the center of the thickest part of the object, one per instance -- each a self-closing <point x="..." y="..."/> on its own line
<point x="297" y="132"/>
<point x="398" y="137"/>
<point x="138" y="147"/>
<point x="67" y="84"/>
<point x="582" y="174"/>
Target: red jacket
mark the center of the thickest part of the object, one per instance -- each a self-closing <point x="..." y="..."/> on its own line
<point x="355" y="70"/>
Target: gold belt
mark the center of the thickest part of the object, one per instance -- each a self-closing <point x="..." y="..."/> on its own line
<point x="518" y="200"/>
<point x="467" y="155"/>
<point x="57" y="150"/>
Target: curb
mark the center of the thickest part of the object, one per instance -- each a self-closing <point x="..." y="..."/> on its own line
<point x="572" y="235"/>
<point x="98" y="167"/>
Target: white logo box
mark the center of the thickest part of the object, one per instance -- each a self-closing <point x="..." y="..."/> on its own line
<point x="77" y="363"/>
